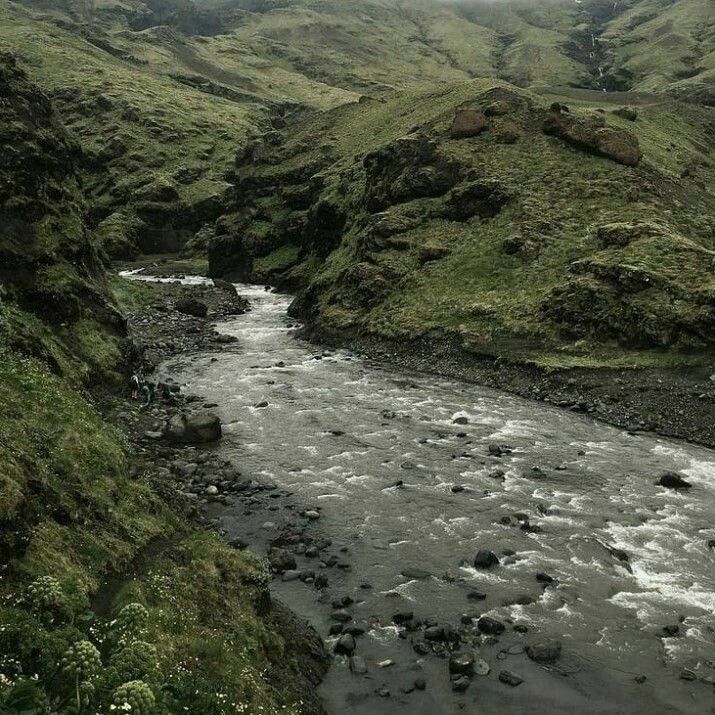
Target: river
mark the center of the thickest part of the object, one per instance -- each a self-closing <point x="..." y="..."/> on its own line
<point x="339" y="432"/>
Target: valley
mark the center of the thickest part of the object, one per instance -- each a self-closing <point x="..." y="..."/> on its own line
<point x="356" y="357"/>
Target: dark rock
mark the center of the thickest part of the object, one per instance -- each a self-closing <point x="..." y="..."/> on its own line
<point x="461" y="663"/>
<point x="457" y="488"/>
<point x="321" y="581"/>
<point x="460" y="683"/>
<point x="671" y="631"/>
<point x="617" y="144"/>
<point x="468" y="123"/>
<point x="460" y="421"/>
<point x="485" y="559"/>
<point x="506" y="676"/>
<point x="490" y="626"/>
<point x="547" y="651"/>
<point x="355" y="629"/>
<point x="281" y="560"/>
<point x="420" y="683"/>
<point x="421" y="647"/>
<point x="402" y="617"/>
<point x="673" y="480"/>
<point x="434" y="633"/>
<point x="192" y="306"/>
<point x="193" y="429"/>
<point x="629" y="113"/>
<point x="476" y="596"/>
<point x="346" y="645"/>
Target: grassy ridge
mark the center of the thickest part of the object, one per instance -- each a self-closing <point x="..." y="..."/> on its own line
<point x="547" y="277"/>
<point x="72" y="512"/>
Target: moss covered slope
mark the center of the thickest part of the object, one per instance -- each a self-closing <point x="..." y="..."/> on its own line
<point x="196" y="631"/>
<point x="523" y="228"/>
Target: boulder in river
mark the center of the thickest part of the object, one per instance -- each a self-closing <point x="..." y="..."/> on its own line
<point x="673" y="480"/>
<point x="485" y="559"/>
<point x="346" y="645"/>
<point x="461" y="663"/>
<point x="490" y="626"/>
<point x="193" y="429"/>
<point x="546" y="651"/>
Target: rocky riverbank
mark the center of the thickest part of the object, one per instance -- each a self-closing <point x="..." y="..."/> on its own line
<point x="675" y="403"/>
<point x="175" y="440"/>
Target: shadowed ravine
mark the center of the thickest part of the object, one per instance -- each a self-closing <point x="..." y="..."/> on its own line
<point x="329" y="436"/>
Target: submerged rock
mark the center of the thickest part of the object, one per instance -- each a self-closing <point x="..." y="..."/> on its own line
<point x="510" y="678"/>
<point x="547" y="651"/>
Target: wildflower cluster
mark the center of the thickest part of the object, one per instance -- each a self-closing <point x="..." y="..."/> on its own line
<point x="82" y="660"/>
<point x="135" y="697"/>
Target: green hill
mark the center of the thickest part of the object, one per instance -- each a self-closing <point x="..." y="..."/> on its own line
<point x="161" y="95"/>
<point x="578" y="234"/>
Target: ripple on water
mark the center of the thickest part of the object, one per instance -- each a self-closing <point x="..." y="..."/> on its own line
<point x="605" y="496"/>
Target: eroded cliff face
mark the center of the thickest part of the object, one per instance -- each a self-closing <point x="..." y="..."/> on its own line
<point x="53" y="292"/>
<point x="516" y="225"/>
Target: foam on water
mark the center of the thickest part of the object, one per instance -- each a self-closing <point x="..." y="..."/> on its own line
<point x="603" y="500"/>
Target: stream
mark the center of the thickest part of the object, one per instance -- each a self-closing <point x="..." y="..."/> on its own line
<point x="339" y="432"/>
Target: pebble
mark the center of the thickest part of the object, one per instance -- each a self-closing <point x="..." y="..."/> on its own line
<point x="460" y="684"/>
<point x="385" y="663"/>
<point x="510" y="678"/>
<point x="312" y="515"/>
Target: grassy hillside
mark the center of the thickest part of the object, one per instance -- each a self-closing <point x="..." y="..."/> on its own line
<point x="519" y="240"/>
<point x="161" y="95"/>
<point x="72" y="512"/>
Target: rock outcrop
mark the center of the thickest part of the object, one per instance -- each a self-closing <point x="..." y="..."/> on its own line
<point x="591" y="135"/>
<point x="49" y="263"/>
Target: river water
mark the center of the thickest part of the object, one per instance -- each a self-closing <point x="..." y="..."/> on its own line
<point x="339" y="431"/>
